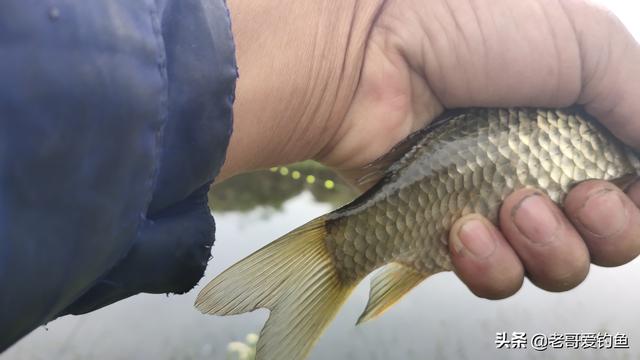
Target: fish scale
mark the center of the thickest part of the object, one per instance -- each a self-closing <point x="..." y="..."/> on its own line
<point x="467" y="165"/>
<point x="467" y="162"/>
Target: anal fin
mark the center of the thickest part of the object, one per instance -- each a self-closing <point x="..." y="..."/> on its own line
<point x="388" y="287"/>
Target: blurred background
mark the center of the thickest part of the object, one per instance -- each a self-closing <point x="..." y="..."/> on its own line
<point x="440" y="319"/>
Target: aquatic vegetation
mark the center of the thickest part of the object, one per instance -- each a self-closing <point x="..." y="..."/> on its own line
<point x="271" y="188"/>
<point x="246" y="350"/>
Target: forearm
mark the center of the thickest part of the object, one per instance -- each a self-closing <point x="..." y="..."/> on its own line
<point x="299" y="64"/>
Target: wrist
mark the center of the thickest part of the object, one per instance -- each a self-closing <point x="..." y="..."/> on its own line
<point x="299" y="64"/>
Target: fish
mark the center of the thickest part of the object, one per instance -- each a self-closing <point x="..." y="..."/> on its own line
<point x="467" y="161"/>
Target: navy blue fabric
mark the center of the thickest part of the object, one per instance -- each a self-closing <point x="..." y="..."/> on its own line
<point x="114" y="119"/>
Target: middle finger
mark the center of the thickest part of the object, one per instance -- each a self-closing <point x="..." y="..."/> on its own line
<point x="552" y="251"/>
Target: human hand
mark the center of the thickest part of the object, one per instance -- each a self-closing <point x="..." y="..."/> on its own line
<point x="423" y="56"/>
<point x="400" y="63"/>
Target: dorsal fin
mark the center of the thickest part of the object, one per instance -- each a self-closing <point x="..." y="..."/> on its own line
<point x="377" y="168"/>
<point x="388" y="287"/>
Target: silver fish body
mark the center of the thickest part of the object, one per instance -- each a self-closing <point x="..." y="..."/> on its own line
<point x="467" y="162"/>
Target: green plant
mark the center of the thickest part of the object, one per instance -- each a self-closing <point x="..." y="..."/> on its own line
<point x="238" y="350"/>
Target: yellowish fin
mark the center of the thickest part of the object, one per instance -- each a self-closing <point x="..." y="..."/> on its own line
<point x="388" y="287"/>
<point x="295" y="278"/>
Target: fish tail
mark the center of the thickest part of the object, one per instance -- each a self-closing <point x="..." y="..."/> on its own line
<point x="296" y="279"/>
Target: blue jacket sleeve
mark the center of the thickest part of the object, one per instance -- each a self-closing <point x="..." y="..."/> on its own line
<point x="114" y="120"/>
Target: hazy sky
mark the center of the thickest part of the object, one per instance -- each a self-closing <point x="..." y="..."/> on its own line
<point x="628" y="11"/>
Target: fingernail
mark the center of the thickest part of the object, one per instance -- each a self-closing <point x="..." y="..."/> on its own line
<point x="535" y="219"/>
<point x="603" y="213"/>
<point x="633" y="192"/>
<point x="476" y="239"/>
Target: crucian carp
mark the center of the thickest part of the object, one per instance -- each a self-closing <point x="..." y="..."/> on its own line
<point x="466" y="162"/>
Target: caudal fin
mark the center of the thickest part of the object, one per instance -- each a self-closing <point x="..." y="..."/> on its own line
<point x="295" y="278"/>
